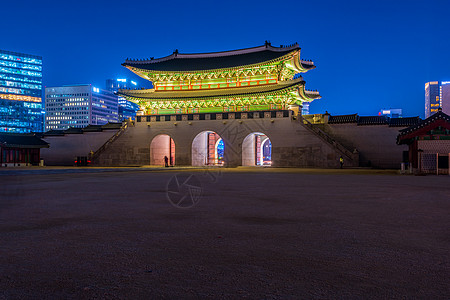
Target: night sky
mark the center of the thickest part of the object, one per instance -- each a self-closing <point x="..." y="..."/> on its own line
<point x="369" y="54"/>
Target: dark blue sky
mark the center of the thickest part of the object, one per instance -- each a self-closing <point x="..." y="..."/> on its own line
<point x="369" y="54"/>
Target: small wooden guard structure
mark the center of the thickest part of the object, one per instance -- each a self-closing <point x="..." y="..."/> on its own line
<point x="429" y="144"/>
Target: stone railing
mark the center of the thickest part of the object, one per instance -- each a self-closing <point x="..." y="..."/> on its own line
<point x="324" y="136"/>
<point x="94" y="156"/>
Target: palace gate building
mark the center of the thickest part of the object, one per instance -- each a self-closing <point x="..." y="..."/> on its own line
<point x="231" y="108"/>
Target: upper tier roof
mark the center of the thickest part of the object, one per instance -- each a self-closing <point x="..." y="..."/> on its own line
<point x="215" y="60"/>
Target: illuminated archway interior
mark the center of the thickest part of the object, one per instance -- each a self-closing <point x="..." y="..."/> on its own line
<point x="162" y="146"/>
<point x="256" y="150"/>
<point x="208" y="149"/>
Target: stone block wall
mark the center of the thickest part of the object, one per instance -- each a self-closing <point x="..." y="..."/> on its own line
<point x="293" y="145"/>
<point x="377" y="144"/>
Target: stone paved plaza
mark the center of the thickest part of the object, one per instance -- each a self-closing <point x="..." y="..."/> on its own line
<point x="254" y="234"/>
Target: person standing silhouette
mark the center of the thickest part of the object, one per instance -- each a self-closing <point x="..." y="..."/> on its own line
<point x="166" y="161"/>
<point x="341" y="161"/>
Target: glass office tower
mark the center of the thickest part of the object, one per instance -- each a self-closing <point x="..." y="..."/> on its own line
<point x="21" y="108"/>
<point x="445" y="96"/>
<point x="127" y="109"/>
<point x="437" y="94"/>
<point x="78" y="106"/>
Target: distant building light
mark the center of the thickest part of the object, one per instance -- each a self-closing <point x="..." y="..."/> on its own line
<point x="121" y="80"/>
<point x="133" y="82"/>
<point x="445" y="82"/>
<point x="392" y="112"/>
<point x="96" y="90"/>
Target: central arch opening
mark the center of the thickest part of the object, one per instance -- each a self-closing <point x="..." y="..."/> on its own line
<point x="162" y="151"/>
<point x="208" y="149"/>
<point x="256" y="150"/>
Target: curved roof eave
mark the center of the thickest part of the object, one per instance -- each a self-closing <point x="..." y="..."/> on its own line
<point x="144" y="71"/>
<point x="178" y="62"/>
<point x="231" y="92"/>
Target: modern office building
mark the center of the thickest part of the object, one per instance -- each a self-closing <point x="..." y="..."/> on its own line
<point x="445" y="96"/>
<point x="305" y="108"/>
<point x="114" y="85"/>
<point x="21" y="109"/>
<point x="79" y="106"/>
<point x="437" y="94"/>
<point x="127" y="109"/>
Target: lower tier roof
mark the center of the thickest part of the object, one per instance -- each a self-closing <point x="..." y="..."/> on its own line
<point x="21" y="140"/>
<point x="152" y="94"/>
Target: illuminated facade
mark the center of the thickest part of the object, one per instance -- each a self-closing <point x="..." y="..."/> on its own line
<point x="79" y="106"/>
<point x="305" y="108"/>
<point x="250" y="83"/>
<point x="252" y="79"/>
<point x="127" y="109"/>
<point x="114" y="85"/>
<point x="21" y="108"/>
<point x="445" y="96"/>
<point x="437" y="94"/>
<point x="432" y="99"/>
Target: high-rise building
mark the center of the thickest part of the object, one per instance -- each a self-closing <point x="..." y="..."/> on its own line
<point x="305" y="108"/>
<point x="127" y="109"/>
<point x="21" y="109"/>
<point x="78" y="106"/>
<point x="437" y="95"/>
<point x="114" y="85"/>
<point x="445" y="96"/>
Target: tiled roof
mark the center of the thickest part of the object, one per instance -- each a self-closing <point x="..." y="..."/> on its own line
<point x="343" y="119"/>
<point x="111" y="126"/>
<point x="53" y="132"/>
<point x="89" y="128"/>
<point x="162" y="95"/>
<point x="424" y="127"/>
<point x="437" y="116"/>
<point x="372" y="120"/>
<point x="73" y="130"/>
<point x="92" y="128"/>
<point x="18" y="140"/>
<point x="217" y="60"/>
<point x="403" y="122"/>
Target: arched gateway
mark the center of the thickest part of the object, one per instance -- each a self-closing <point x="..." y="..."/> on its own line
<point x="208" y="149"/>
<point x="219" y="106"/>
<point x="256" y="150"/>
<point x="162" y="146"/>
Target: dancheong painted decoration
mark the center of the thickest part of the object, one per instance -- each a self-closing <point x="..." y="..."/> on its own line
<point x="253" y="79"/>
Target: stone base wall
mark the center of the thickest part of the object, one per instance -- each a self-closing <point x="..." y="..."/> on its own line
<point x="293" y="145"/>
